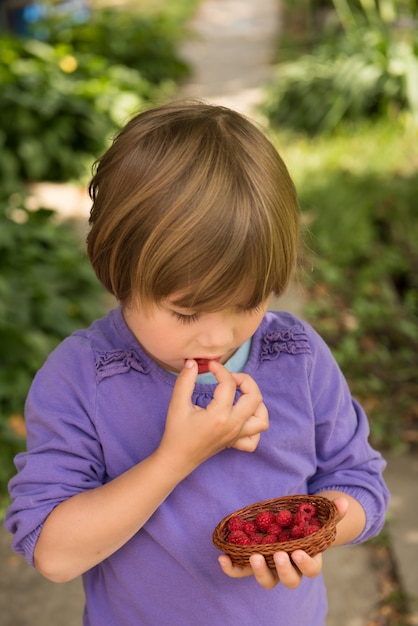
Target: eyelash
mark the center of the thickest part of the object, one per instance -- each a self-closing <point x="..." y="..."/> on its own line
<point x="185" y="319"/>
<point x="189" y="319"/>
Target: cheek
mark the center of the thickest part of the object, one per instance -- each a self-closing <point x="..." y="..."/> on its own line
<point x="255" y="321"/>
<point x="253" y="324"/>
<point x="169" y="338"/>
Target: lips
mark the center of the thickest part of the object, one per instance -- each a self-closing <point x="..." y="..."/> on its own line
<point x="203" y="364"/>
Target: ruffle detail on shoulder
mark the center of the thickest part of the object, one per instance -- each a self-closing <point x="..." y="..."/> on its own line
<point x="290" y="341"/>
<point x="118" y="362"/>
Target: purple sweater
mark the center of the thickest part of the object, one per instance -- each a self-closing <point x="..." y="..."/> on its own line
<point x="98" y="406"/>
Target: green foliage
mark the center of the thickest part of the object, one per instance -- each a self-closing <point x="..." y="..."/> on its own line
<point x="59" y="110"/>
<point x="67" y="90"/>
<point x="146" y="43"/>
<point x="47" y="290"/>
<point x="355" y="13"/>
<point x="363" y="287"/>
<point x="368" y="70"/>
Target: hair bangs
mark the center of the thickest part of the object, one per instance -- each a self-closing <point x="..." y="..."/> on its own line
<point x="231" y="259"/>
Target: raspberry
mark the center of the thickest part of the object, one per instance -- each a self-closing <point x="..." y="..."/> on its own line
<point x="235" y="523"/>
<point x="314" y="521"/>
<point x="270" y="528"/>
<point x="239" y="538"/>
<point x="274" y="529"/>
<point x="298" y="531"/>
<point x="302" y="518"/>
<point x="285" y="535"/>
<point x="284" y="518"/>
<point x="308" y="508"/>
<point x="264" y="519"/>
<point x="244" y="541"/>
<point x="249" y="528"/>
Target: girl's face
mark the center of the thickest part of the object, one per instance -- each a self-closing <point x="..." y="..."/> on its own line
<point x="171" y="334"/>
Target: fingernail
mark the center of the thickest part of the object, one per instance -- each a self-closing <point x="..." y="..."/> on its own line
<point x="189" y="363"/>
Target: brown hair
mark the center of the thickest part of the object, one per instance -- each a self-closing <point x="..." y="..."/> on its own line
<point x="192" y="199"/>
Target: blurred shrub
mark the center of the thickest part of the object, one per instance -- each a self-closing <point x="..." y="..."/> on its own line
<point x="47" y="290"/>
<point x="65" y="91"/>
<point x="146" y="43"/>
<point x="59" y="110"/>
<point x="368" y="68"/>
<point x="364" y="290"/>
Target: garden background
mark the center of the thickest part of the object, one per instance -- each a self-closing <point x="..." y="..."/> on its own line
<point x="342" y="107"/>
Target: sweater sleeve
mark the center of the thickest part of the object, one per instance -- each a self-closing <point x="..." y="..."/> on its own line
<point x="63" y="455"/>
<point x="345" y="459"/>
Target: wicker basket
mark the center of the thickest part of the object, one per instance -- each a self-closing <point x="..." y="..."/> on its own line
<point x="311" y="544"/>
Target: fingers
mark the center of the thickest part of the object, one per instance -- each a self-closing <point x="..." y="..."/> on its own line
<point x="258" y="568"/>
<point x="183" y="389"/>
<point x="290" y="570"/>
<point x="250" y="404"/>
<point x="251" y="395"/>
<point x="248" y="443"/>
<point x="250" y="399"/>
<point x="226" y="389"/>
<point x="258" y="422"/>
<point x="266" y="577"/>
<point x="288" y="573"/>
<point x="249" y="411"/>
<point x="233" y="571"/>
<point x="249" y="435"/>
<point x="239" y="425"/>
<point x="251" y="430"/>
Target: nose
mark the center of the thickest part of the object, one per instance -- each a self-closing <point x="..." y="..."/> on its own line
<point x="217" y="332"/>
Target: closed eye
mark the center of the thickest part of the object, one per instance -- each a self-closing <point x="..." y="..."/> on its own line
<point x="185" y="319"/>
<point x="193" y="317"/>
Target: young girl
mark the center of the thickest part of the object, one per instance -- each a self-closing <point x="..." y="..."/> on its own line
<point x="189" y="400"/>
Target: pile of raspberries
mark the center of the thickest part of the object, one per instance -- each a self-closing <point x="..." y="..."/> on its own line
<point x="269" y="527"/>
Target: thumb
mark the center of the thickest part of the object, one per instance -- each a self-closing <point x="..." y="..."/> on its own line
<point x="184" y="387"/>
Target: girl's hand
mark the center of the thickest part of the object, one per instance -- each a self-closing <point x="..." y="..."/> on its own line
<point x="193" y="434"/>
<point x="285" y="572"/>
<point x="250" y="432"/>
<point x="288" y="573"/>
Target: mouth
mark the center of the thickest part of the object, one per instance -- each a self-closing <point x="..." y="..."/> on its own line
<point x="203" y="364"/>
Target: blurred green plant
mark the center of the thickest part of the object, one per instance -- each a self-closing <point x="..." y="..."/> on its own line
<point x="148" y="43"/>
<point x="59" y="110"/>
<point x="364" y="296"/>
<point x="67" y="89"/>
<point x="365" y="67"/>
<point x="358" y="197"/>
<point x="47" y="290"/>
